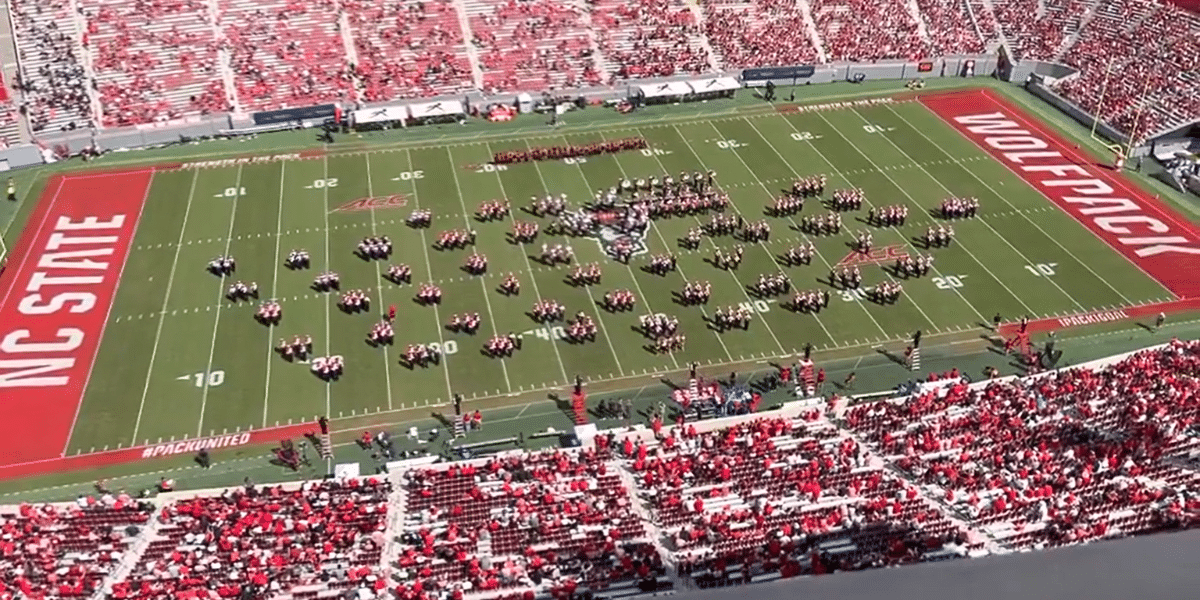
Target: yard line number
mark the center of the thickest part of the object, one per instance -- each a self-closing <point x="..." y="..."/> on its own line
<point x="574" y="160"/>
<point x="804" y="136"/>
<point x="409" y="176"/>
<point x="490" y="168"/>
<point x="319" y="184"/>
<point x="202" y="379"/>
<point x="445" y="348"/>
<point x="949" y="282"/>
<point x="1042" y="269"/>
<point x="729" y="144"/>
<point x="232" y="192"/>
<point x="877" y="129"/>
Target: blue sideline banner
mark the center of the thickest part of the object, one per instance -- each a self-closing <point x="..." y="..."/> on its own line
<point x="765" y="73"/>
<point x="287" y="115"/>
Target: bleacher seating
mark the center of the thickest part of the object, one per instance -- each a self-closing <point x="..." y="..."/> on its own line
<point x="152" y="61"/>
<point x="408" y="49"/>
<point x="155" y="61"/>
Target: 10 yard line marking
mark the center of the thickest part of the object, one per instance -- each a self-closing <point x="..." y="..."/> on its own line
<point x="162" y="317"/>
<point x="212" y="348"/>
<point x="587" y="288"/>
<point x="274" y="290"/>
<point x="387" y="361"/>
<point x="429" y="270"/>
<point x="487" y="300"/>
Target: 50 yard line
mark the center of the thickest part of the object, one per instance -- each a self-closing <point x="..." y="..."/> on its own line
<point x="162" y="314"/>
<point x="274" y="289"/>
<point x="212" y="347"/>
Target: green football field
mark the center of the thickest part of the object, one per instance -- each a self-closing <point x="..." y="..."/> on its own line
<point x="179" y="360"/>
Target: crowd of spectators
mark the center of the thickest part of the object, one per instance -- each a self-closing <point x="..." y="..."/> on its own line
<point x="1036" y="29"/>
<point x="535" y="45"/>
<point x="1137" y="53"/>
<point x="1068" y="457"/>
<point x="649" y="38"/>
<point x="758" y="33"/>
<point x="53" y="86"/>
<point x="952" y="30"/>
<point x="408" y="49"/>
<point x="65" y="550"/>
<point x="551" y="522"/>
<point x="868" y="30"/>
<point x="254" y="542"/>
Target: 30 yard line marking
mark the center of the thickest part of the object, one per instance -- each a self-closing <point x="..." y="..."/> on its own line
<point x="212" y="347"/>
<point x="387" y="361"/>
<point x="667" y="246"/>
<point x="947" y="190"/>
<point x="633" y="276"/>
<point x="325" y="216"/>
<point x="274" y="289"/>
<point x="487" y="300"/>
<point x="429" y="270"/>
<point x="1019" y="212"/>
<point x="587" y="288"/>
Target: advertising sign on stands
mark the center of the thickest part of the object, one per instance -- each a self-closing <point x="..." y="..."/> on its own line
<point x="765" y="73"/>
<point x="287" y="115"/>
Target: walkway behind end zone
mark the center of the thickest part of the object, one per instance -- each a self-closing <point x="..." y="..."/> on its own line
<point x="1153" y="237"/>
<point x="55" y="298"/>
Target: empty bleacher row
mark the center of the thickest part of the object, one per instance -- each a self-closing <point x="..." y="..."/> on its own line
<point x="953" y="471"/>
<point x="87" y="63"/>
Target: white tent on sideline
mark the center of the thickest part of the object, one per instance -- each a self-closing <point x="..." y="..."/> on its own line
<point x="671" y="89"/>
<point x="380" y="114"/>
<point x="714" y="85"/>
<point x="441" y="108"/>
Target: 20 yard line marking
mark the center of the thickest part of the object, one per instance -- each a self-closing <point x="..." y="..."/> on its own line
<point x="587" y="288"/>
<point x="137" y="423"/>
<point x="274" y="290"/>
<point x="387" y="361"/>
<point x="212" y="347"/>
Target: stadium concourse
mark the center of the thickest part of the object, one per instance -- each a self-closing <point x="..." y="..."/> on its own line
<point x="106" y="64"/>
<point x="1107" y="450"/>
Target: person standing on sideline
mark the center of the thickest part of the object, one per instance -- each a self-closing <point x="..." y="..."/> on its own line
<point x="849" y="382"/>
<point x="12" y="190"/>
<point x="996" y="322"/>
<point x="1159" y="320"/>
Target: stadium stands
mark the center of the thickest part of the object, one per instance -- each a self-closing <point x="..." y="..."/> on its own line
<point x="164" y="60"/>
<point x="952" y="471"/>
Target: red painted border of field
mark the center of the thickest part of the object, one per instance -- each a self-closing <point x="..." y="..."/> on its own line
<point x="55" y="298"/>
<point x="1152" y="236"/>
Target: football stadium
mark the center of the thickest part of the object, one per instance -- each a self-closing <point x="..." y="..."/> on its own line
<point x="540" y="299"/>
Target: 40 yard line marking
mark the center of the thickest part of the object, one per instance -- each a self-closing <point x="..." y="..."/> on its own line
<point x="487" y="300"/>
<point x="162" y="314"/>
<point x="587" y="288"/>
<point x="212" y="347"/>
<point x="387" y="361"/>
<point x="274" y="289"/>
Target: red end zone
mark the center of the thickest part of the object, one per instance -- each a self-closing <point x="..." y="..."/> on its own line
<point x="1144" y="230"/>
<point x="55" y="296"/>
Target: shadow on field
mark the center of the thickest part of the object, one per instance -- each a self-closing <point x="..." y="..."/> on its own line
<point x="563" y="405"/>
<point x="892" y="356"/>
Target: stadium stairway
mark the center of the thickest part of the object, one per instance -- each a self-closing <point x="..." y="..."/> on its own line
<point x="714" y="60"/>
<point x="915" y="12"/>
<point x="813" y="33"/>
<point x="1077" y="26"/>
<point x="464" y="22"/>
<point x="601" y="63"/>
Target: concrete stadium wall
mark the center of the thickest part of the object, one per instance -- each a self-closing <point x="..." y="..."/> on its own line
<point x="1035" y="87"/>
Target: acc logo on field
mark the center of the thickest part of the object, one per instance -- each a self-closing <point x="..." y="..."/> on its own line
<point x="610" y="239"/>
<point x="374" y="202"/>
<point x="884" y="254"/>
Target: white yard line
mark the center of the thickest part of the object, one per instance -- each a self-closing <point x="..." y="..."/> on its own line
<point x="212" y="347"/>
<point x="587" y="288"/>
<point x="387" y="361"/>
<point x="903" y="239"/>
<point x="429" y="269"/>
<point x="325" y="215"/>
<point x="274" y="291"/>
<point x="633" y="276"/>
<point x="482" y="285"/>
<point x="162" y="317"/>
<point x="919" y="208"/>
<point x="1022" y="213"/>
<point x="667" y="246"/>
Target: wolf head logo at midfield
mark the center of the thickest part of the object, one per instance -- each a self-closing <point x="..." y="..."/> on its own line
<point x="612" y="236"/>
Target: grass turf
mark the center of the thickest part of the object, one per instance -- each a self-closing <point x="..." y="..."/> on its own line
<point x="171" y="332"/>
